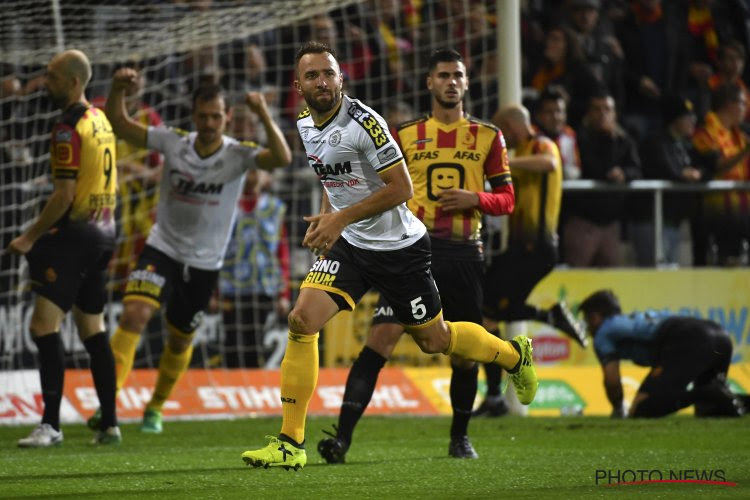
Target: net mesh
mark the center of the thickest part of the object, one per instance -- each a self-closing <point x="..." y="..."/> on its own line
<point x="383" y="48"/>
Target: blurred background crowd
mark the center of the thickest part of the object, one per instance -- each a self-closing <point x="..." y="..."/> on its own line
<point x="628" y="89"/>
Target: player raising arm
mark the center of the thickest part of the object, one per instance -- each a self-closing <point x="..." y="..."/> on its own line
<point x="204" y="172"/>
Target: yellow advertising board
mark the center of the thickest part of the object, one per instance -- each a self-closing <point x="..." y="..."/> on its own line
<point x="722" y="295"/>
<point x="560" y="387"/>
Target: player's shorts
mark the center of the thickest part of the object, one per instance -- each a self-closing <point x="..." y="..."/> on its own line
<point x="68" y="266"/>
<point x="160" y="279"/>
<point x="402" y="276"/>
<point x="458" y="270"/>
<point x="512" y="276"/>
<point x="688" y="350"/>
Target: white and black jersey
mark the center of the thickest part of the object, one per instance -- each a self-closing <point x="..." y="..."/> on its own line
<point x="348" y="152"/>
<point x="197" y="196"/>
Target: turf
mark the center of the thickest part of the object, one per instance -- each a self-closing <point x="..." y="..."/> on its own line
<point x="391" y="458"/>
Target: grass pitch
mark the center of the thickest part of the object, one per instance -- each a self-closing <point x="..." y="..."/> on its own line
<point x="392" y="458"/>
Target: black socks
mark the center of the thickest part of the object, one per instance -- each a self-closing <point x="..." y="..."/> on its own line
<point x="103" y="372"/>
<point x="463" y="390"/>
<point x="51" y="376"/>
<point x="359" y="388"/>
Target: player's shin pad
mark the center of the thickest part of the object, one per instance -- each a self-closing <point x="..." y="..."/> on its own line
<point x="472" y="341"/>
<point x="299" y="376"/>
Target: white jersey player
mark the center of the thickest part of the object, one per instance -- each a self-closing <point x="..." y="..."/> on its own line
<point x="349" y="152"/>
<point x="383" y="247"/>
<point x="197" y="196"/>
<point x="202" y="179"/>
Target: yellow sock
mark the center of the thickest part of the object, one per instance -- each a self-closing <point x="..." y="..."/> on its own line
<point x="471" y="341"/>
<point x="171" y="367"/>
<point x="299" y="376"/>
<point x="124" y="344"/>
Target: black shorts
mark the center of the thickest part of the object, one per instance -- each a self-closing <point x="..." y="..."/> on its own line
<point x="403" y="277"/>
<point x="689" y="350"/>
<point x="512" y="276"/>
<point x="458" y="270"/>
<point x="160" y="279"/>
<point x="68" y="266"/>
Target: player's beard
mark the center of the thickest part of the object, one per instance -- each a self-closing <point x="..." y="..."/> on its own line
<point x="323" y="107"/>
<point x="207" y="137"/>
<point x="447" y="104"/>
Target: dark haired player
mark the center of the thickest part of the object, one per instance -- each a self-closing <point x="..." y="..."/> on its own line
<point x="204" y="172"/>
<point x="367" y="238"/>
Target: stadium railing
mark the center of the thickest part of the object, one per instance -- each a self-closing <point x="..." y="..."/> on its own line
<point x="657" y="188"/>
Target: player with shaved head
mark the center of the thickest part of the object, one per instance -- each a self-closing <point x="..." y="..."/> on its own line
<point x="69" y="245"/>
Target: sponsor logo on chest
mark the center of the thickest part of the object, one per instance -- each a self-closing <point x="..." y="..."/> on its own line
<point x="184" y="184"/>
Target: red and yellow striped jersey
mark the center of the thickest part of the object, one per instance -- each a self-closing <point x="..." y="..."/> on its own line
<point x="83" y="148"/>
<point x="460" y="155"/>
<point x="714" y="137"/>
<point x="538" y="196"/>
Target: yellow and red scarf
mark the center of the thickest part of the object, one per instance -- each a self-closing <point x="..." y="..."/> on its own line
<point x="701" y="24"/>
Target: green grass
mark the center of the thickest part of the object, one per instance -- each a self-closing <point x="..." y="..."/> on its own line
<point x="391" y="458"/>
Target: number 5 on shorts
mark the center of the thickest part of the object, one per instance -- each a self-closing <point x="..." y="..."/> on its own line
<point x="418" y="310"/>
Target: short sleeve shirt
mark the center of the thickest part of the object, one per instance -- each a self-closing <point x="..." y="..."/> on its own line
<point x="198" y="196"/>
<point x="348" y="152"/>
<point x="631" y="337"/>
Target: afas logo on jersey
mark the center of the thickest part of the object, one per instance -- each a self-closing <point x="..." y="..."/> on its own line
<point x="425" y="155"/>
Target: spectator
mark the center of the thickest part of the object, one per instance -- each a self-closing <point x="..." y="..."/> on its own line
<point x="653" y="37"/>
<point x="563" y="65"/>
<point x="481" y="60"/>
<point x="390" y="32"/>
<point x="728" y="212"/>
<point x="710" y="24"/>
<point x="669" y="155"/>
<point x="591" y="234"/>
<point x="551" y="120"/>
<point x="729" y="69"/>
<point x="254" y="282"/>
<point x="602" y="52"/>
<point x="355" y="53"/>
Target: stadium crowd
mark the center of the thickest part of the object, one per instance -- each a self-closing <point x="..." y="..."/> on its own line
<point x="627" y="89"/>
<point x="640" y="56"/>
